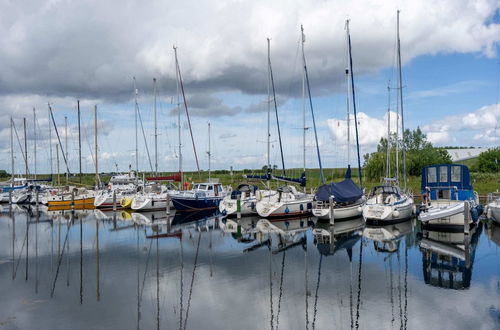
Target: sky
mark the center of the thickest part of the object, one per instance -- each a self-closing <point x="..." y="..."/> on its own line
<point x="61" y="51"/>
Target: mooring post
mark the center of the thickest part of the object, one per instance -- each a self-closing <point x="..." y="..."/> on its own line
<point x="114" y="201"/>
<point x="72" y="199"/>
<point x="36" y="197"/>
<point x="10" y="197"/>
<point x="168" y="206"/>
<point x="238" y="207"/>
<point x="332" y="218"/>
<point x="467" y="217"/>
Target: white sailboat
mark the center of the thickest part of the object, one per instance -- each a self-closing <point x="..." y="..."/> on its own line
<point x="343" y="200"/>
<point x="493" y="207"/>
<point x="387" y="203"/>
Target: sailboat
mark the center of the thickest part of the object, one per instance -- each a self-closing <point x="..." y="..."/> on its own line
<point x="288" y="201"/>
<point x="119" y="186"/>
<point x="387" y="203"/>
<point x="343" y="200"/>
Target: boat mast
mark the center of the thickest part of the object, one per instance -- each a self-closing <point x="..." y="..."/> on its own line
<point x="136" y="134"/>
<point x="79" y="142"/>
<point x="209" y="154"/>
<point x="311" y="105"/>
<point x="50" y="146"/>
<point x="268" y="116"/>
<point x="348" y="114"/>
<point x="34" y="134"/>
<point x="66" y="143"/>
<point x="354" y="103"/>
<point x="401" y="100"/>
<point x="58" y="138"/>
<point x="304" y="120"/>
<point x="25" y="149"/>
<point x="12" y="151"/>
<point x="271" y="77"/>
<point x="388" y="160"/>
<point x="156" y="129"/>
<point x="179" y="118"/>
<point x="95" y="140"/>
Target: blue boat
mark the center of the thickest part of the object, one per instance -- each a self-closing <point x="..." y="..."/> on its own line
<point x="203" y="196"/>
<point x="447" y="193"/>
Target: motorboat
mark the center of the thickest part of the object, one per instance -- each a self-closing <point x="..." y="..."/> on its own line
<point x="446" y="189"/>
<point x="203" y="196"/>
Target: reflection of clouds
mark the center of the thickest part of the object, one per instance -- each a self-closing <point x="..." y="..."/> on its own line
<point x="231" y="288"/>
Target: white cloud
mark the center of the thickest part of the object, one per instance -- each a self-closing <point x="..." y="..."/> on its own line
<point x="478" y="127"/>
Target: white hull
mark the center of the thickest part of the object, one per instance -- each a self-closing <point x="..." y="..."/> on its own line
<point x="148" y="203"/>
<point x="494" y="211"/>
<point x="388" y="213"/>
<point x="229" y="206"/>
<point x="339" y="213"/>
<point x="269" y="208"/>
<point x="444" y="214"/>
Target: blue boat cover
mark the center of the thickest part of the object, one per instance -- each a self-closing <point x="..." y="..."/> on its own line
<point x="345" y="191"/>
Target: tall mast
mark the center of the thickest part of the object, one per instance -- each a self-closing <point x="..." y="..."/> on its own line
<point x="50" y="145"/>
<point x="348" y="112"/>
<point x="388" y="160"/>
<point x="66" y="143"/>
<point x="179" y="118"/>
<point x="209" y="153"/>
<point x="311" y="105"/>
<point x="34" y="135"/>
<point x="181" y="85"/>
<point x="268" y="112"/>
<point x="57" y="161"/>
<point x="156" y="129"/>
<point x="25" y="149"/>
<point x="275" y="104"/>
<point x="12" y="151"/>
<point x="304" y="119"/>
<point x="136" y="134"/>
<point x="354" y="103"/>
<point x="95" y="140"/>
<point x="401" y="100"/>
<point x="79" y="142"/>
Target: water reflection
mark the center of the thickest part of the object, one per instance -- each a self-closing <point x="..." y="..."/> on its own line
<point x="94" y="269"/>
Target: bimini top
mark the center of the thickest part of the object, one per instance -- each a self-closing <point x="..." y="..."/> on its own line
<point x="446" y="176"/>
<point x="342" y="192"/>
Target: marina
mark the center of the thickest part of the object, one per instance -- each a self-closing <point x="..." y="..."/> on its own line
<point x="82" y="270"/>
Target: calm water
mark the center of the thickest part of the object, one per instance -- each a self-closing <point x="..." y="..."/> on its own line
<point x="91" y="270"/>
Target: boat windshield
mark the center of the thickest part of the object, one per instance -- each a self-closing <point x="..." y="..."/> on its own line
<point x="385" y="190"/>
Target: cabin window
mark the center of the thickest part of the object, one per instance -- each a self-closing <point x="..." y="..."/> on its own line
<point x="203" y="187"/>
<point x="431" y="175"/>
<point x="210" y="188"/>
<point x="455" y="173"/>
<point x="443" y="174"/>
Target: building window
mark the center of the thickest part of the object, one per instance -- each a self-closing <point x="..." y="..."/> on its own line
<point x="431" y="175"/>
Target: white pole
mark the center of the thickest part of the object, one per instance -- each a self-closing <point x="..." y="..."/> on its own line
<point x="268" y="110"/>
<point x="34" y="132"/>
<point x="96" y="158"/>
<point x="156" y="129"/>
<point x="179" y="116"/>
<point x="66" y="144"/>
<point x="209" y="154"/>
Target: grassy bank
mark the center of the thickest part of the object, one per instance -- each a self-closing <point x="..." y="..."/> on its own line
<point x="483" y="183"/>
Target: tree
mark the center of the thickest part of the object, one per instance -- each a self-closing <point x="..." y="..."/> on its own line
<point x="489" y="161"/>
<point x="4" y="174"/>
<point x="419" y="153"/>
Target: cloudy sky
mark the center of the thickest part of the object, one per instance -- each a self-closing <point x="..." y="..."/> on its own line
<point x="62" y="51"/>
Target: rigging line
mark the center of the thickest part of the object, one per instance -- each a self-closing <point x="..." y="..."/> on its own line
<point x="20" y="145"/>
<point x="280" y="290"/>
<point x="187" y="114"/>
<point x="182" y="285"/>
<point x="317" y="290"/>
<point x="391" y="291"/>
<point x="311" y="105"/>
<point x="20" y="253"/>
<point x="358" y="302"/>
<point x="275" y="107"/>
<point x="399" y="292"/>
<point x="271" y="288"/>
<point x="306" y="288"/>
<point x="59" y="139"/>
<point x="146" y="268"/>
<point x="138" y="282"/>
<point x="354" y="105"/>
<point x="59" y="260"/>
<point x="157" y="284"/>
<point x="192" y="280"/>
<point x="406" y="287"/>
<point x="144" y="135"/>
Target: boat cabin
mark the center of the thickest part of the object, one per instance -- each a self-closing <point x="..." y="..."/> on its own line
<point x="208" y="189"/>
<point x="447" y="181"/>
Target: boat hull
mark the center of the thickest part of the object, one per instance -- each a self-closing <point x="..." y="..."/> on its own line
<point x="186" y="204"/>
<point x="340" y="213"/>
<point x="229" y="206"/>
<point x="269" y="209"/>
<point x="387" y="214"/>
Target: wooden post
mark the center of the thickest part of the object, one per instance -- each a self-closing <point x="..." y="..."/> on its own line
<point x="36" y="197"/>
<point x="114" y="201"/>
<point x="467" y="217"/>
<point x="238" y="207"/>
<point x="72" y="199"/>
<point x="332" y="217"/>
<point x="168" y="206"/>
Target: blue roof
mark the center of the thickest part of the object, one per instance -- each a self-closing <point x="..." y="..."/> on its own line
<point x="446" y="175"/>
